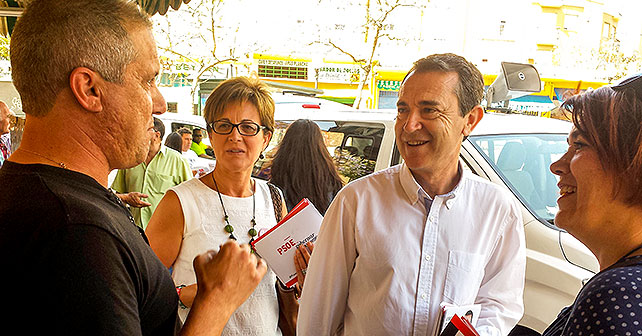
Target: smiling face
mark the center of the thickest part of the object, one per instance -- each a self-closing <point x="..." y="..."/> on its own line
<point x="235" y="152"/>
<point x="429" y="128"/>
<point x="584" y="188"/>
<point x="127" y="119"/>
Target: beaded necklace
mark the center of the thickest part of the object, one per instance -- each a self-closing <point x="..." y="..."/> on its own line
<point x="228" y="227"/>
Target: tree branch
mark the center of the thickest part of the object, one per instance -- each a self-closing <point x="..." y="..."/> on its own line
<point x="178" y="54"/>
<point x="345" y="52"/>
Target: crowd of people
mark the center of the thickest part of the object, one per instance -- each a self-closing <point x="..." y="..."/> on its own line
<point x="163" y="252"/>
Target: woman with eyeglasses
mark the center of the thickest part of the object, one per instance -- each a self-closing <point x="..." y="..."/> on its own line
<point x="203" y="213"/>
<point x="600" y="203"/>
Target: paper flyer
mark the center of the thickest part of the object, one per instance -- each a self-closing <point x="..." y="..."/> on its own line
<point x="459" y="326"/>
<point x="278" y="245"/>
<point x="470" y="312"/>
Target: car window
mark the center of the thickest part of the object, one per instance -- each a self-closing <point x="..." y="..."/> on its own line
<point x="353" y="147"/>
<point x="177" y="125"/>
<point x="523" y="162"/>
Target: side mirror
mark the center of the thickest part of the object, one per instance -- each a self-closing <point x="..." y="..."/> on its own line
<point x="514" y="80"/>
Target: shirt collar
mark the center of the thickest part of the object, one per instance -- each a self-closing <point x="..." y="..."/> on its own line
<point x="163" y="149"/>
<point x="415" y="192"/>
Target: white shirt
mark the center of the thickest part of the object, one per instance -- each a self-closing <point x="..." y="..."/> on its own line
<point x="190" y="156"/>
<point x="200" y="165"/>
<point x="204" y="230"/>
<point x="383" y="263"/>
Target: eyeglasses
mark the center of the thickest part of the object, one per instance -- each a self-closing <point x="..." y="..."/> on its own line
<point x="246" y="128"/>
<point x="634" y="82"/>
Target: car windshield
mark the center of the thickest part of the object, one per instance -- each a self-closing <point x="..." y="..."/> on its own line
<point x="523" y="161"/>
<point x="354" y="147"/>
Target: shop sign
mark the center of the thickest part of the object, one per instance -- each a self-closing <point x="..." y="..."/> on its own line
<point x="389" y="85"/>
<point x="282" y="63"/>
<point x="339" y="74"/>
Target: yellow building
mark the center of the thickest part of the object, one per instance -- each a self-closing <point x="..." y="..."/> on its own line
<point x="339" y="81"/>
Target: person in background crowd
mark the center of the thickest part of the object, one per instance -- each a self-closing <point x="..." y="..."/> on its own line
<point x="86" y="70"/>
<point x="186" y="136"/>
<point x="600" y="204"/>
<point x="189" y="155"/>
<point x="197" y="144"/>
<point x="303" y="168"/>
<point x="174" y="141"/>
<point x="396" y="244"/>
<point x="5" y="135"/>
<point x="227" y="203"/>
<point x="143" y="186"/>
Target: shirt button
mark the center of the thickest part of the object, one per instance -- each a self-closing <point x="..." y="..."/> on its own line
<point x="424" y="296"/>
<point x="427" y="258"/>
<point x="431" y="218"/>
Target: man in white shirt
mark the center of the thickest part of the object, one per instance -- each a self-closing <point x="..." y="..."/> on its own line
<point x="396" y="244"/>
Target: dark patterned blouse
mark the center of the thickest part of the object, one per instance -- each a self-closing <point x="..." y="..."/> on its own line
<point x="609" y="304"/>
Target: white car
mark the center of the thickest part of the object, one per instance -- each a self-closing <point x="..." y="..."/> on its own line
<point x="514" y="151"/>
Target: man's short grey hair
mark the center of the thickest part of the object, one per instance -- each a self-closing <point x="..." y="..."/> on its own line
<point x="184" y="130"/>
<point x="470" y="89"/>
<point x="53" y="37"/>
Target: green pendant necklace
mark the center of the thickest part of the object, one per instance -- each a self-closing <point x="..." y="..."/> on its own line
<point x="228" y="227"/>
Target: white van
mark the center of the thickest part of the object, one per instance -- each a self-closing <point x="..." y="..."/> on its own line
<point x="514" y="151"/>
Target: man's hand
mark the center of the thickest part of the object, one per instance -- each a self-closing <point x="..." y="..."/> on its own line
<point x="233" y="272"/>
<point x="301" y="260"/>
<point x="134" y="199"/>
<point x="225" y="280"/>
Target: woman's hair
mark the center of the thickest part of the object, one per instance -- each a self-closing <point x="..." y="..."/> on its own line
<point x="302" y="166"/>
<point x="611" y="121"/>
<point x="239" y="90"/>
<point x="174" y="141"/>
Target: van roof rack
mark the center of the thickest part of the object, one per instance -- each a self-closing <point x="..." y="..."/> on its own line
<point x="295" y="89"/>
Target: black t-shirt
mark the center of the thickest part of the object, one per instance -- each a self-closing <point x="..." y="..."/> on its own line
<point x="73" y="260"/>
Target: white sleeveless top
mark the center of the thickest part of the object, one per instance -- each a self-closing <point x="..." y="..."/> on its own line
<point x="204" y="230"/>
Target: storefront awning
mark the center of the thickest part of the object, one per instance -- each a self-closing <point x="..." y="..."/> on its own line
<point x="533" y="99"/>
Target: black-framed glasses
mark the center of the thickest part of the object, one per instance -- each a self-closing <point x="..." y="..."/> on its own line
<point x="246" y="128"/>
<point x="634" y="82"/>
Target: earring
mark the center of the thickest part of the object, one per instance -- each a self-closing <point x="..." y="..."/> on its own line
<point x="261" y="156"/>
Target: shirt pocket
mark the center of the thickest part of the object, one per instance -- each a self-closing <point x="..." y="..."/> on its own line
<point x="159" y="183"/>
<point x="463" y="277"/>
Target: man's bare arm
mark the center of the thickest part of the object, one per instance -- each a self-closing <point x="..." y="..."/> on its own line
<point x="225" y="280"/>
